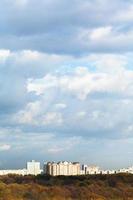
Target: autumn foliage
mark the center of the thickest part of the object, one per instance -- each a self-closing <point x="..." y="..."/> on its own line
<point x="90" y="187"/>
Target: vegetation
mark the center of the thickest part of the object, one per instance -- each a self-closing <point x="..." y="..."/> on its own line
<point x="90" y="187"/>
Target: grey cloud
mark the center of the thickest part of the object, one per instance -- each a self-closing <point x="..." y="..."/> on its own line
<point x="61" y="28"/>
<point x="55" y="26"/>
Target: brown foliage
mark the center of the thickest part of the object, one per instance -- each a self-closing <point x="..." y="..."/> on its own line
<point x="97" y="187"/>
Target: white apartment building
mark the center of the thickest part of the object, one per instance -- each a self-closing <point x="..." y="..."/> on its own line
<point x="90" y="169"/>
<point x="62" y="168"/>
<point x="33" y="168"/>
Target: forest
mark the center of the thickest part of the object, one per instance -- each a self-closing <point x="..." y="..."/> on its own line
<point x="89" y="187"/>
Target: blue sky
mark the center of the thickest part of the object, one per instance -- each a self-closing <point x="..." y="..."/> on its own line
<point x="66" y="82"/>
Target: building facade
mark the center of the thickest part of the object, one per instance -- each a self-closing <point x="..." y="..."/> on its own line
<point x="90" y="169"/>
<point x="62" y="168"/>
<point x="33" y="168"/>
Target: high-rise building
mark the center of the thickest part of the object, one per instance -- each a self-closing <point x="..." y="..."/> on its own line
<point x="62" y="168"/>
<point x="33" y="168"/>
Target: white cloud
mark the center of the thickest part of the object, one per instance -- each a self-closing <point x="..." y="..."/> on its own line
<point x="81" y="85"/>
<point x="106" y="39"/>
<point x="5" y="147"/>
<point x="37" y="86"/>
<point x="93" y="100"/>
<point x="28" y="116"/>
<point x="34" y="113"/>
<point x="26" y="55"/>
<point x="110" y="63"/>
<point x="100" y="33"/>
<point x="60" y="105"/>
<point x="4" y="54"/>
<point x="52" y="118"/>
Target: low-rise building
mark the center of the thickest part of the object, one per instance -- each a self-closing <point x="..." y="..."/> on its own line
<point x="108" y="172"/>
<point x="33" y="168"/>
<point x="86" y="169"/>
<point x="13" y="171"/>
<point x="126" y="170"/>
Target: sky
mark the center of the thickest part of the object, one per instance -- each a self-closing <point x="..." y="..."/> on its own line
<point x="66" y="82"/>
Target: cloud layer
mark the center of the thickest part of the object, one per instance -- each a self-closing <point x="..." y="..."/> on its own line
<point x="60" y="27"/>
<point x="66" y="81"/>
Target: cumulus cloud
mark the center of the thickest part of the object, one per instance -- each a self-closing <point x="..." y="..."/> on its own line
<point x="110" y="63"/>
<point x="63" y="96"/>
<point x="83" y="84"/>
<point x="28" y="115"/>
<point x="66" y="72"/>
<point x="35" y="114"/>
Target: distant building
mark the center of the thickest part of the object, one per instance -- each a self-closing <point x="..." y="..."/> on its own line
<point x="62" y="168"/>
<point x="108" y="172"/>
<point x="13" y="171"/>
<point x="126" y="170"/>
<point x="33" y="168"/>
<point x="90" y="169"/>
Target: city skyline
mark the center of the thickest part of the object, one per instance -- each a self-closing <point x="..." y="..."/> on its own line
<point x="65" y="168"/>
<point x="66" y="82"/>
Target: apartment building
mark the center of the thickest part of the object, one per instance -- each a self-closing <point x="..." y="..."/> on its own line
<point x="90" y="169"/>
<point x="33" y="168"/>
<point x="62" y="168"/>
